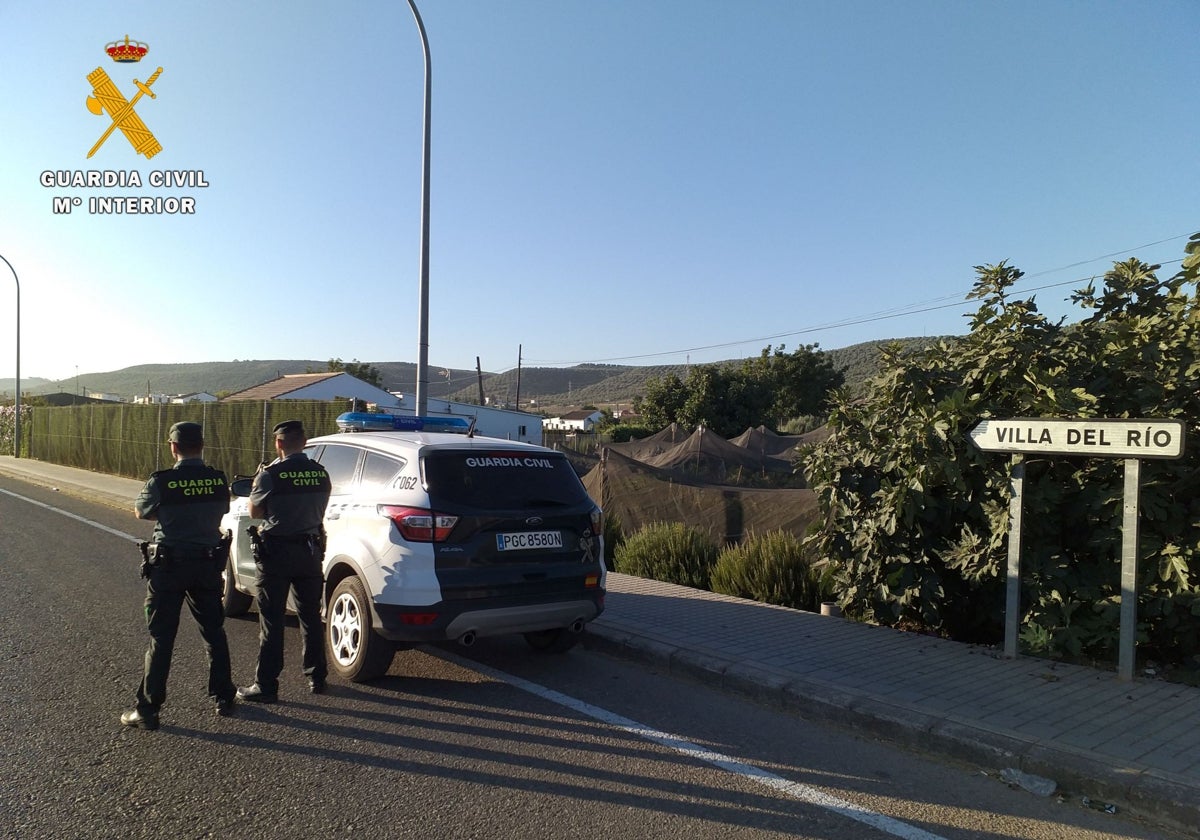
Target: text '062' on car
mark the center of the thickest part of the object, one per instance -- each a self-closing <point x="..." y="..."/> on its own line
<point x="434" y="533"/>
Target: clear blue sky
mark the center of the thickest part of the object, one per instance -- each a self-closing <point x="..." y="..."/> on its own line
<point x="629" y="181"/>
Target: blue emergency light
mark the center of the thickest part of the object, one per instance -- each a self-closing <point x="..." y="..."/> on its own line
<point x="366" y="421"/>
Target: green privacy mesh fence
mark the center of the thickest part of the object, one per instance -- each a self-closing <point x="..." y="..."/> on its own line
<point x="130" y="440"/>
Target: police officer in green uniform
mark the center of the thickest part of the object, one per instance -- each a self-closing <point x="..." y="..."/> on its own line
<point x="289" y="495"/>
<point x="186" y="556"/>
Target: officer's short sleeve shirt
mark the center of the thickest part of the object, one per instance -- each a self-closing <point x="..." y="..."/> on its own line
<point x="187" y="501"/>
<point x="293" y="492"/>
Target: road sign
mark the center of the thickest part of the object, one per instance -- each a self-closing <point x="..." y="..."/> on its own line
<point x="1132" y="440"/>
<point x="1097" y="438"/>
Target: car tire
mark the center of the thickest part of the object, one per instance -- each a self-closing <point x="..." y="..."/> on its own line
<point x="355" y="651"/>
<point x="234" y="601"/>
<point x="556" y="640"/>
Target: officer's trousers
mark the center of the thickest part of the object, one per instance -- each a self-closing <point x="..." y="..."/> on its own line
<point x="289" y="566"/>
<point x="198" y="582"/>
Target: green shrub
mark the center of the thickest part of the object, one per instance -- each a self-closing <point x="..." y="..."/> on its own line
<point x="774" y="568"/>
<point x="670" y="552"/>
<point x="801" y="425"/>
<point x="624" y="432"/>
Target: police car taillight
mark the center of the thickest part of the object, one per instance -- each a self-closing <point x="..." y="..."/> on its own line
<point x="418" y="524"/>
<point x="597" y="522"/>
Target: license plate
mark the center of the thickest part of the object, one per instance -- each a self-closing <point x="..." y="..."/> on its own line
<point x="529" y="539"/>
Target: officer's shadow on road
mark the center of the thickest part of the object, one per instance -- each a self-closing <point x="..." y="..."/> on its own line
<point x="460" y="731"/>
<point x="456" y="732"/>
<point x="473" y="732"/>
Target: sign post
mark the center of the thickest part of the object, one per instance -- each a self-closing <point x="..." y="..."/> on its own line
<point x="1131" y="440"/>
<point x="1012" y="612"/>
<point x="1129" y="546"/>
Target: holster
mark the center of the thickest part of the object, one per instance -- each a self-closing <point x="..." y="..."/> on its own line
<point x="147" y="559"/>
<point x="154" y="556"/>
<point x="318" y="546"/>
<point x="160" y="556"/>
<point x="258" y="548"/>
<point x="221" y="552"/>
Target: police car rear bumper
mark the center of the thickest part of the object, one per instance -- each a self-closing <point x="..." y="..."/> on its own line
<point x="449" y="621"/>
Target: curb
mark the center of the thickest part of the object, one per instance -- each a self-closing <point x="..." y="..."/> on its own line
<point x="1161" y="798"/>
<point x="86" y="490"/>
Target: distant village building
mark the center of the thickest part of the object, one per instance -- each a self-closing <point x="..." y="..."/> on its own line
<point x="583" y="420"/>
<point x="172" y="399"/>
<point x="62" y="398"/>
<point x="202" y="396"/>
<point x="105" y="397"/>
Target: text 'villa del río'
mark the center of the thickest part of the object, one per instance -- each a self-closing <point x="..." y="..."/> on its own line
<point x="1093" y="437"/>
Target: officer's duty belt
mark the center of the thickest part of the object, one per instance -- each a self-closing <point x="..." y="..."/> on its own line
<point x="288" y="538"/>
<point x="185" y="555"/>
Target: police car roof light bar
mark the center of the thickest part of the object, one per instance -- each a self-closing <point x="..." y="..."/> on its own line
<point x="365" y="421"/>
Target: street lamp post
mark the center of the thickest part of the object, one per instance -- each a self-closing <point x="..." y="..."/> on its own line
<point x="423" y="295"/>
<point x="17" y="401"/>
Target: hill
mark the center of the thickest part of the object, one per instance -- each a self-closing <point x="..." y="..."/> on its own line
<point x="608" y="385"/>
<point x="213" y="377"/>
<point x="551" y="388"/>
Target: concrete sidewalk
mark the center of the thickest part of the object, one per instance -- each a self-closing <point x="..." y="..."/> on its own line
<point x="1132" y="744"/>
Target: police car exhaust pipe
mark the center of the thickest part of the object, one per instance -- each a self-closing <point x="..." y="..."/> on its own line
<point x="577" y="626"/>
<point x="467" y="639"/>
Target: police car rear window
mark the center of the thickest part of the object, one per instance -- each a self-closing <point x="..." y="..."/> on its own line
<point x="379" y="470"/>
<point x="502" y="479"/>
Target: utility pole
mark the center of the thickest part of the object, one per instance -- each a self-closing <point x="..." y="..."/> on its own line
<point x="17" y="399"/>
<point x="423" y="294"/>
<point x="518" y="377"/>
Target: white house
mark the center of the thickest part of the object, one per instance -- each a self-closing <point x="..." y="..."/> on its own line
<point x="316" y="386"/>
<point x="173" y="399"/>
<point x="490" y="421"/>
<point x="583" y="420"/>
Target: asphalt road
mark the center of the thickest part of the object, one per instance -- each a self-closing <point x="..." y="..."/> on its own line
<point x="489" y="742"/>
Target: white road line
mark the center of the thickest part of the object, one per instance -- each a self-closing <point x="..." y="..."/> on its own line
<point x="795" y="790"/>
<point x="70" y="515"/>
<point x="803" y="793"/>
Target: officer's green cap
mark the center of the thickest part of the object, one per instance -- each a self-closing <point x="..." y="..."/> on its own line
<point x="288" y="426"/>
<point x="189" y="434"/>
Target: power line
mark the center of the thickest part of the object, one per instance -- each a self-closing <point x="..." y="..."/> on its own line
<point x="888" y="314"/>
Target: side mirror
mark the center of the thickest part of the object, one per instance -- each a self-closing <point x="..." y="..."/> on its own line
<point x="241" y="486"/>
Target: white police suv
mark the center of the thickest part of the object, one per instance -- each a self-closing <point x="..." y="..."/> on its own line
<point x="437" y="535"/>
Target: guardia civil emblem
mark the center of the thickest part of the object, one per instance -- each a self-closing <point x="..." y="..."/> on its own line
<point x="107" y="97"/>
